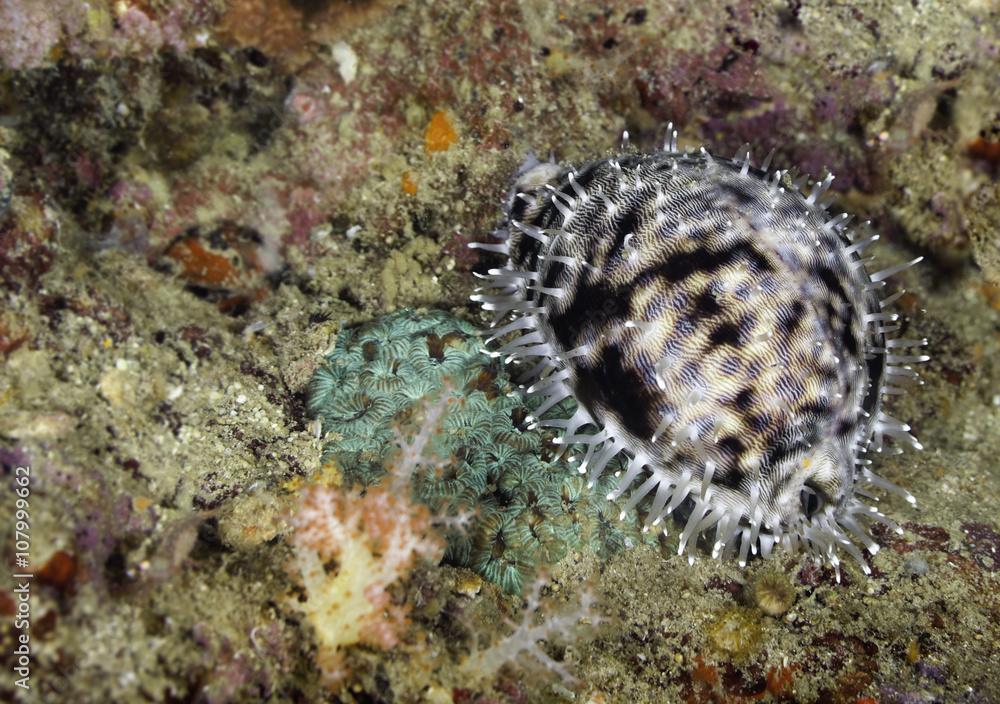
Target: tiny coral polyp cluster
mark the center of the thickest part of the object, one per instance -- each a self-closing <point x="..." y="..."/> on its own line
<point x="715" y="326"/>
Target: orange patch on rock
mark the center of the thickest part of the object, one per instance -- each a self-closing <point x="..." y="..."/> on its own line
<point x="779" y="681"/>
<point x="59" y="570"/>
<point x="984" y="149"/>
<point x="704" y="672"/>
<point x="409" y="185"/>
<point x="201" y="266"/>
<point x="224" y="265"/>
<point x="440" y="134"/>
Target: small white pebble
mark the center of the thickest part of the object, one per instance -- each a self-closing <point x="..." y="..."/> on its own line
<point x="347" y="61"/>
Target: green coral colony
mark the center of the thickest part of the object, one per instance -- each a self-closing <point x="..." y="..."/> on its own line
<point x="524" y="507"/>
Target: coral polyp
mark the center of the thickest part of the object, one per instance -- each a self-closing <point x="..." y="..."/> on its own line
<point x="717" y="327"/>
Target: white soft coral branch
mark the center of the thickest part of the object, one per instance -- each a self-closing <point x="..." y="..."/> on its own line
<point x="524" y="641"/>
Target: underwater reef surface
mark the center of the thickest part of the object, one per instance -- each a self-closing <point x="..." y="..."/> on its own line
<point x="204" y="204"/>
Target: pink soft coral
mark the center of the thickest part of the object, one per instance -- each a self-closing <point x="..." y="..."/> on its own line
<point x="373" y="540"/>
